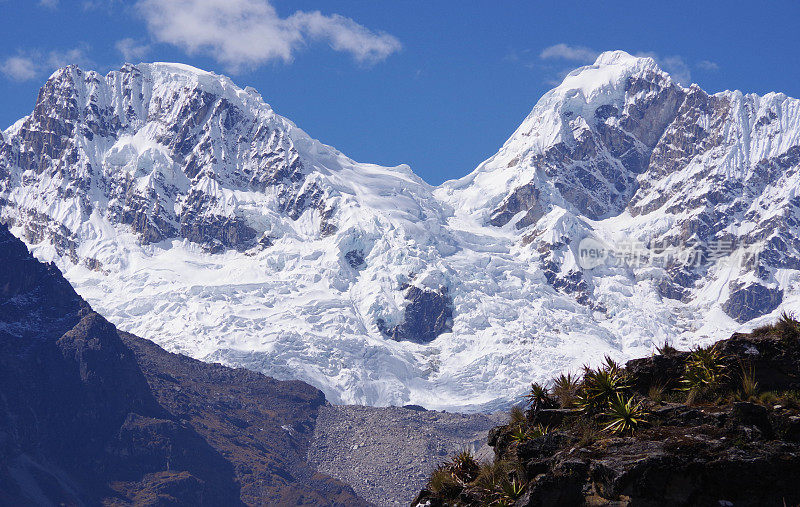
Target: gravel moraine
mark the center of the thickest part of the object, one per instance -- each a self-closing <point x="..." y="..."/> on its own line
<point x="387" y="454"/>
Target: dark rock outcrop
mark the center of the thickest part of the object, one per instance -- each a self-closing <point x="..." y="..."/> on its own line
<point x="428" y="314"/>
<point x="753" y="301"/>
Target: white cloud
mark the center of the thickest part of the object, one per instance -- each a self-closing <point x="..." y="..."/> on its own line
<point x="19" y="68"/>
<point x="50" y="4"/>
<point x="131" y="49"/>
<point x="675" y="66"/>
<point x="89" y="5"/>
<point x="76" y="56"/>
<point x="566" y="52"/>
<point x="707" y="65"/>
<point x="344" y="34"/>
<point x="247" y="33"/>
<point x="32" y="64"/>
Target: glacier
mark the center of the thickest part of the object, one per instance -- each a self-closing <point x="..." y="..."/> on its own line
<point x="185" y="210"/>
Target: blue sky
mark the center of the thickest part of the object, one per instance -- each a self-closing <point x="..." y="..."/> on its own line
<point x="435" y="84"/>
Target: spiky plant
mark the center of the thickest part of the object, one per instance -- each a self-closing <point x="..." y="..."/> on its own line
<point x="788" y="327"/>
<point x="443" y="483"/>
<point x="539" y="430"/>
<point x="748" y="386"/>
<point x="510" y="490"/>
<point x="490" y="475"/>
<point x="705" y="373"/>
<point x="666" y="349"/>
<point x="600" y="385"/>
<point x="464" y="467"/>
<point x="565" y="389"/>
<point x="519" y="434"/>
<point x="539" y="397"/>
<point x="516" y="417"/>
<point x="625" y="414"/>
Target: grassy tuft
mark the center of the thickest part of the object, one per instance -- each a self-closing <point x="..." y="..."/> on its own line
<point x="444" y="484"/>
<point x="748" y="388"/>
<point x="566" y="389"/>
<point x="656" y="393"/>
<point x="788" y="328"/>
<point x="516" y="417"/>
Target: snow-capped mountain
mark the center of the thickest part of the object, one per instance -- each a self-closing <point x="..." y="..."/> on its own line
<point x="187" y="211"/>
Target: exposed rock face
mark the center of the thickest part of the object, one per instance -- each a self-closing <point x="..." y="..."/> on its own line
<point x="428" y="314"/>
<point x="89" y="416"/>
<point x="749" y="302"/>
<point x="261" y="426"/>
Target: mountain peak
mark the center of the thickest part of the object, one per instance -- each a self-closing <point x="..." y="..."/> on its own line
<point x="609" y="73"/>
<point x="619" y="57"/>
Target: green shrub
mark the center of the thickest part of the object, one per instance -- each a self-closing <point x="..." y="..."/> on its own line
<point x="625" y="414"/>
<point x="788" y="399"/>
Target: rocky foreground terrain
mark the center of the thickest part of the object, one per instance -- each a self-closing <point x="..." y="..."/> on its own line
<point x="715" y="426"/>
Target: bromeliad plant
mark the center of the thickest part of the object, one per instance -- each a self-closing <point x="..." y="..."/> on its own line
<point x="539" y="398"/>
<point x="706" y="372"/>
<point x="625" y="414"/>
<point x="521" y="434"/>
<point x="600" y="385"/>
<point x="509" y="491"/>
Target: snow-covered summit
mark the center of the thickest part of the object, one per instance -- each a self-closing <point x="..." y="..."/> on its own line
<point x="187" y="211"/>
